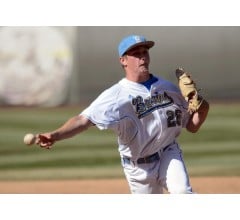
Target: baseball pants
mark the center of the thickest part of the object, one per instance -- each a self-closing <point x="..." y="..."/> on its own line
<point x="167" y="172"/>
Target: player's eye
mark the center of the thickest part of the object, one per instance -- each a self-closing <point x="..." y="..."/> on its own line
<point x="139" y="53"/>
<point x="136" y="54"/>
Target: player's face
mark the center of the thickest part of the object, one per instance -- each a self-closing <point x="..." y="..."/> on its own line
<point x="137" y="60"/>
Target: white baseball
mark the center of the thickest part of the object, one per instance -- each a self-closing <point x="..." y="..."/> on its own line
<point x="29" y="139"/>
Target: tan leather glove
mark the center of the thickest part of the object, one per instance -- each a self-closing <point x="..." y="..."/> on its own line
<point x="189" y="90"/>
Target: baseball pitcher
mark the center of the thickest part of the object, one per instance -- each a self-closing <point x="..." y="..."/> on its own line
<point x="147" y="113"/>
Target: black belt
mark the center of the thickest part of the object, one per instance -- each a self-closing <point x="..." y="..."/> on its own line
<point x="148" y="159"/>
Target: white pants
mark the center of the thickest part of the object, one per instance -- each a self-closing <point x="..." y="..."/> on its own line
<point x="150" y="178"/>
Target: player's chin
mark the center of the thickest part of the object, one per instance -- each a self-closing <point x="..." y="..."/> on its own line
<point x="144" y="69"/>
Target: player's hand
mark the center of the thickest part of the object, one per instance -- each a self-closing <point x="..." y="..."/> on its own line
<point x="45" y="140"/>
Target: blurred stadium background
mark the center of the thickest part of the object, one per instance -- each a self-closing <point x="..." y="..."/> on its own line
<point x="50" y="66"/>
<point x="48" y="74"/>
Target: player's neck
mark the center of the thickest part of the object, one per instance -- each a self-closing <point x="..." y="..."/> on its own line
<point x="139" y="78"/>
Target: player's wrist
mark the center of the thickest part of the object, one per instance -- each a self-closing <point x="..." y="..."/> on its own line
<point x="55" y="136"/>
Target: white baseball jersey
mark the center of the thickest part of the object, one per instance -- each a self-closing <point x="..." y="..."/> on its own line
<point x="144" y="120"/>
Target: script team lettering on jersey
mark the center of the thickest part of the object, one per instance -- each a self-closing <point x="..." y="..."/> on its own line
<point x="145" y="106"/>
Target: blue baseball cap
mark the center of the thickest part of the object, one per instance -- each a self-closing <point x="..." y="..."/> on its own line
<point x="132" y="41"/>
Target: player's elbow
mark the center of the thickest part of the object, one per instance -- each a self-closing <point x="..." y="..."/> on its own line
<point x="193" y="129"/>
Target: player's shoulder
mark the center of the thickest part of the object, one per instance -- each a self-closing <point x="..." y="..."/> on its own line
<point x="114" y="89"/>
<point x="167" y="84"/>
<point x="110" y="93"/>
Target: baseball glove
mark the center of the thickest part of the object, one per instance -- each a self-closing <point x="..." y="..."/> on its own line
<point x="189" y="91"/>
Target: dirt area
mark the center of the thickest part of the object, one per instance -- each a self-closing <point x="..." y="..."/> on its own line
<point x="201" y="185"/>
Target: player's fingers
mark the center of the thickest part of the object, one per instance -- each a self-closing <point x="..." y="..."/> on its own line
<point x="46" y="145"/>
<point x="45" y="138"/>
<point x="37" y="141"/>
<point x="44" y="141"/>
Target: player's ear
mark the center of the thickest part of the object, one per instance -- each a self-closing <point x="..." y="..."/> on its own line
<point x="123" y="60"/>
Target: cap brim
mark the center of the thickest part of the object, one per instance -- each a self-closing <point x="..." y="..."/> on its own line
<point x="147" y="44"/>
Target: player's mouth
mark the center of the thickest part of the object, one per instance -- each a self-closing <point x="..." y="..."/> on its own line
<point x="144" y="65"/>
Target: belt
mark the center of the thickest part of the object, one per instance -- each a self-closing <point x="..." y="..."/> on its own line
<point x="148" y="159"/>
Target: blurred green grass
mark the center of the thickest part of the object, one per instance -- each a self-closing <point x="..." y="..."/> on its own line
<point x="213" y="151"/>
